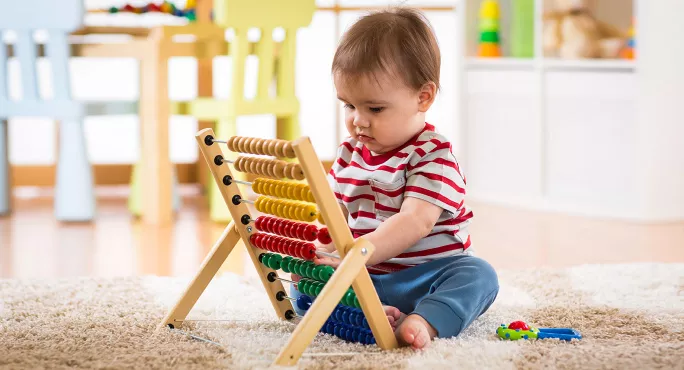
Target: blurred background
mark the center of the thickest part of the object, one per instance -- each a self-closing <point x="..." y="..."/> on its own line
<point x="566" y="117"/>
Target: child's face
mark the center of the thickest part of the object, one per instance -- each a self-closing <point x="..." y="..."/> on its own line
<point x="381" y="114"/>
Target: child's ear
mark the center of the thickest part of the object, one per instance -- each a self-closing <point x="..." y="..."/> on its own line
<point x="426" y="96"/>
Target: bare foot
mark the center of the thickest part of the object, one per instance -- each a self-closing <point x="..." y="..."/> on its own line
<point x="414" y="331"/>
<point x="393" y="315"/>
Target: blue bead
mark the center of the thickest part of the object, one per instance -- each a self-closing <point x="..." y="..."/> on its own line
<point x="345" y="317"/>
<point x="508" y="335"/>
<point x="365" y="323"/>
<point x="338" y="313"/>
<point x="338" y="330"/>
<point x="304" y="302"/>
<point x="356" y="335"/>
<point x="525" y="336"/>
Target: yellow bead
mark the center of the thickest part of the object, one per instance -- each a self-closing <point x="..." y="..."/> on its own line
<point x="320" y="219"/>
<point x="489" y="9"/>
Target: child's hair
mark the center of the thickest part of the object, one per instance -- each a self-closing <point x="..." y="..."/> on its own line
<point x="398" y="41"/>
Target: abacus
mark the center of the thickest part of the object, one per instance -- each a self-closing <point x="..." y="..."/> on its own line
<point x="290" y="209"/>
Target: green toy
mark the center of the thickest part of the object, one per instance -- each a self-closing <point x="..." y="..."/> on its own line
<point x="519" y="330"/>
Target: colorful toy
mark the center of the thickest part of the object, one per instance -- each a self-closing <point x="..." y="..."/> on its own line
<point x="628" y="51"/>
<point x="520" y="330"/>
<point x="489" y="30"/>
<point x="166" y="7"/>
<point x="290" y="207"/>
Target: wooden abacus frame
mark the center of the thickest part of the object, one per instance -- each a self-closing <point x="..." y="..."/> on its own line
<point x="353" y="254"/>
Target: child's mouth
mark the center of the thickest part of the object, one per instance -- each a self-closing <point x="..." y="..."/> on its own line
<point x="364" y="138"/>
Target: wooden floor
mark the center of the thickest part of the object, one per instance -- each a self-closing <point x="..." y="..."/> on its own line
<point x="34" y="245"/>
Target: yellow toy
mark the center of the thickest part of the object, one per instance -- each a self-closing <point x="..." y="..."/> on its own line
<point x="369" y="324"/>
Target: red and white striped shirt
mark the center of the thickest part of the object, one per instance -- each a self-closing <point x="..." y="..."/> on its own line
<point x="373" y="187"/>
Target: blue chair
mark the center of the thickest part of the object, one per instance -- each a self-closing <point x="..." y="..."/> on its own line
<point x="74" y="193"/>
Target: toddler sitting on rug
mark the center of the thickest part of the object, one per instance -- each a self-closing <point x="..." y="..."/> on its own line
<point x="398" y="183"/>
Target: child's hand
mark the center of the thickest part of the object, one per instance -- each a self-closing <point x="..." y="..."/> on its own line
<point x="325" y="260"/>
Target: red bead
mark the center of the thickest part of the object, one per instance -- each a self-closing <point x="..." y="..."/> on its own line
<point x="309" y="251"/>
<point x="289" y="232"/>
<point x="324" y="236"/>
<point x="152" y="7"/>
<point x="291" y="250"/>
<point x="253" y="240"/>
<point x="271" y="225"/>
<point x="280" y="227"/>
<point x="518" y="325"/>
<point x="128" y="8"/>
<point x="299" y="231"/>
<point x="310" y="233"/>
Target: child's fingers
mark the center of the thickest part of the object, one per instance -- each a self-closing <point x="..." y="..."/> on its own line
<point x="295" y="277"/>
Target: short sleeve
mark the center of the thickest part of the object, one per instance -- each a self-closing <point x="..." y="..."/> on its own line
<point x="436" y="177"/>
<point x="332" y="174"/>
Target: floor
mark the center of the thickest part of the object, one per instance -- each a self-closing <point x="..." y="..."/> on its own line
<point x="34" y="245"/>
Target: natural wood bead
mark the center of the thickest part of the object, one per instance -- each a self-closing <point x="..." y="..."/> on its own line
<point x="231" y="143"/>
<point x="253" y="145"/>
<point x="278" y="148"/>
<point x="271" y="148"/>
<point x="261" y="148"/>
<point x="297" y="173"/>
<point x="289" y="150"/>
<point x="240" y="144"/>
<point x="237" y="164"/>
<point x="280" y="170"/>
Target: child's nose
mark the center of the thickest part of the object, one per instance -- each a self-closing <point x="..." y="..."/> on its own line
<point x="360" y="121"/>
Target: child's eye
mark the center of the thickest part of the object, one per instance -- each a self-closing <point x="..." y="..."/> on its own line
<point x="348" y="106"/>
<point x="377" y="109"/>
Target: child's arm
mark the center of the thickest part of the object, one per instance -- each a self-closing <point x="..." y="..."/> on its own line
<point x="414" y="221"/>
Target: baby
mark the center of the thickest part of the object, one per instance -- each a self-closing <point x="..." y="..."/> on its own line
<point x="398" y="183"/>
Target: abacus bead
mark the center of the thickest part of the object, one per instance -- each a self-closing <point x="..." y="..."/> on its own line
<point x="231" y="143"/>
<point x="349" y="298"/>
<point x="309" y="251"/>
<point x="326" y="273"/>
<point x="303" y="302"/>
<point x="278" y="148"/>
<point x="320" y="219"/>
<point x="338" y="330"/>
<point x="345" y="317"/>
<point x="284" y="265"/>
<point x="365" y="323"/>
<point x="329" y="327"/>
<point x="356" y="335"/>
<point x="267" y="258"/>
<point x="253" y="146"/>
<point x="286" y="228"/>
<point x="289" y="150"/>
<point x="310" y="213"/>
<point x="291" y="266"/>
<point x="308" y="270"/>
<point x="319" y="288"/>
<point x="310" y="197"/>
<point x="316" y="272"/>
<point x="356" y="302"/>
<point x="298" y="174"/>
<point x="324" y="235"/>
<point x="280" y="170"/>
<point x="276" y="261"/>
<point x="310" y="233"/>
<point x="270" y="149"/>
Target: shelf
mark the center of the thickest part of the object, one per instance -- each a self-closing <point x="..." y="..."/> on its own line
<point x="499" y="63"/>
<point x="613" y="65"/>
<point x="551" y="64"/>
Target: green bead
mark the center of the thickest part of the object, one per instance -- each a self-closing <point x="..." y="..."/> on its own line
<point x="276" y="261"/>
<point x="318" y="289"/>
<point x="316" y="272"/>
<point x="298" y="267"/>
<point x="265" y="259"/>
<point x="291" y="266"/>
<point x="356" y="301"/>
<point x="285" y="264"/>
<point x="302" y="286"/>
<point x="113" y="10"/>
<point x="348" y="299"/>
<point x="308" y="270"/>
<point x="489" y="36"/>
<point x="326" y="273"/>
<point x="489" y="24"/>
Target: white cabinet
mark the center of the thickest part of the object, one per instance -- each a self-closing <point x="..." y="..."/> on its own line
<point x="602" y="138"/>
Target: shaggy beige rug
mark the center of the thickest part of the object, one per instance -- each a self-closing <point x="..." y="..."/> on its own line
<point x="631" y="317"/>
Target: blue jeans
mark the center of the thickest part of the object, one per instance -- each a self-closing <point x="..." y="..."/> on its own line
<point x="449" y="293"/>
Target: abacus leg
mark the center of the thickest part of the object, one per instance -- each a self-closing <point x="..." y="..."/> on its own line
<point x="5" y="179"/>
<point x="218" y="254"/>
<point x="75" y="189"/>
<point x="353" y="262"/>
<point x="218" y="210"/>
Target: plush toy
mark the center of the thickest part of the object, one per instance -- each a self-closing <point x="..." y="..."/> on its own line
<point x="572" y="32"/>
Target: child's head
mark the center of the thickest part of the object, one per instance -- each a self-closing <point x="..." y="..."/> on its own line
<point x="386" y="72"/>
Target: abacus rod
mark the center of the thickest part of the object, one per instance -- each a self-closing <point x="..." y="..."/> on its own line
<point x="247" y="201"/>
<point x="242" y="182"/>
<point x="219" y="141"/>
